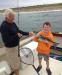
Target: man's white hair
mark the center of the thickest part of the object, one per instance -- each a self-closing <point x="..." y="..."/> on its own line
<point x="8" y="12"/>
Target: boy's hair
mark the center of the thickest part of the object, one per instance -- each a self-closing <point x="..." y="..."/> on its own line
<point x="47" y="23"/>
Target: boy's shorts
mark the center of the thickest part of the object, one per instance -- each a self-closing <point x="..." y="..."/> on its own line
<point x="46" y="57"/>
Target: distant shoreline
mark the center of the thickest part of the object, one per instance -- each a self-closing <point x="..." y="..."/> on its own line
<point x="49" y="7"/>
<point x="41" y="11"/>
<point x="44" y="8"/>
<point x="38" y="11"/>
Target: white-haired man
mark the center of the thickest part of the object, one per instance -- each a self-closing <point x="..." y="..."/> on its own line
<point x="10" y="36"/>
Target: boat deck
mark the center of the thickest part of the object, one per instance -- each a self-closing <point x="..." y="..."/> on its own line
<point x="58" y="40"/>
<point x="55" y="65"/>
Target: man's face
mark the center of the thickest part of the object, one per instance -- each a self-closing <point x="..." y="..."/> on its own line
<point x="46" y="28"/>
<point x="10" y="17"/>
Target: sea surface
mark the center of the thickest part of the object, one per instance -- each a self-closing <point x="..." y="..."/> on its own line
<point x="33" y="21"/>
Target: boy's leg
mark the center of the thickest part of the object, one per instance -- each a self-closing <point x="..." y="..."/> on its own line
<point x="40" y="59"/>
<point x="47" y="63"/>
<point x="46" y="58"/>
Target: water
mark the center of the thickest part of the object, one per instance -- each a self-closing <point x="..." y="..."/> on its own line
<point x="33" y="21"/>
<point x="55" y="56"/>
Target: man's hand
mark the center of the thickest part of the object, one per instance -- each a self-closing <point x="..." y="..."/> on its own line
<point x="38" y="35"/>
<point x="19" y="35"/>
<point x="31" y="33"/>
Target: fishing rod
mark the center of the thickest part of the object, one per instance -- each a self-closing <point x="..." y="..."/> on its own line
<point x="18" y="11"/>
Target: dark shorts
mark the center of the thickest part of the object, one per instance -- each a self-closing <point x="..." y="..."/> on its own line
<point x="46" y="57"/>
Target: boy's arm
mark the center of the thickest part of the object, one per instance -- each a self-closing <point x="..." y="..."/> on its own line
<point x="36" y="38"/>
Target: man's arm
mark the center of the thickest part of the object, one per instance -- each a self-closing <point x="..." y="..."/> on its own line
<point x="20" y="32"/>
<point x="23" y="33"/>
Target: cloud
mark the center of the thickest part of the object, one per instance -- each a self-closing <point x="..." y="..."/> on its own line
<point x="21" y="3"/>
<point x="37" y="2"/>
<point x="7" y="3"/>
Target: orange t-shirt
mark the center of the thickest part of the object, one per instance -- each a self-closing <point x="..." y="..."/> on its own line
<point x="43" y="47"/>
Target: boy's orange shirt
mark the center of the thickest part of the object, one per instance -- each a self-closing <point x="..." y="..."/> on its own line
<point x="43" y="47"/>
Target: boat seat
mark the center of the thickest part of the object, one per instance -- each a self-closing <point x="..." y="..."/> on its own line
<point x="4" y="68"/>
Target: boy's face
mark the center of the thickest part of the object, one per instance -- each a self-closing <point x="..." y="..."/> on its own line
<point x="46" y="28"/>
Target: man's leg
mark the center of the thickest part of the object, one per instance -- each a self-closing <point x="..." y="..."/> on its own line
<point x="13" y="60"/>
<point x="16" y="72"/>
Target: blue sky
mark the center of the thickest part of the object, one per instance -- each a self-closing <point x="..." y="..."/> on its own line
<point x="13" y="3"/>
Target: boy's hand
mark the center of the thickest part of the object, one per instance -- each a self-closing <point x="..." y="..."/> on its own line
<point x="31" y="33"/>
<point x="45" y="41"/>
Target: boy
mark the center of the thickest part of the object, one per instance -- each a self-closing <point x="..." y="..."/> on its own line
<point x="43" y="47"/>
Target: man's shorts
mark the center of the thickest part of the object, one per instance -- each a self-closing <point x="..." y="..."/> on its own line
<point x="40" y="56"/>
<point x="12" y="57"/>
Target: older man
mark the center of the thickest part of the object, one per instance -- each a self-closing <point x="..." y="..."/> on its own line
<point x="10" y="36"/>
